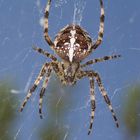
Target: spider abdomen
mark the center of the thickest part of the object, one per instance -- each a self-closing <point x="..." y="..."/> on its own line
<point x="72" y="43"/>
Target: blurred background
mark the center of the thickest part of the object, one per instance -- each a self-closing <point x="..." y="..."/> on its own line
<point x="67" y="109"/>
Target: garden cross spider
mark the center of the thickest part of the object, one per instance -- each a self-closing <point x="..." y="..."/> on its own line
<point x="72" y="44"/>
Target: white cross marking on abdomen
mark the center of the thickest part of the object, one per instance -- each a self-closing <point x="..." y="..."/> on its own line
<point x="72" y="41"/>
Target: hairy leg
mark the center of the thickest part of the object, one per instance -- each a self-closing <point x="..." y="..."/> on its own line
<point x="101" y="27"/>
<point x="91" y="75"/>
<point x="44" y="86"/>
<point x="93" y="106"/>
<point x="96" y="60"/>
<point x="46" y="25"/>
<point x="45" y="53"/>
<point x="36" y="83"/>
<point x="106" y="98"/>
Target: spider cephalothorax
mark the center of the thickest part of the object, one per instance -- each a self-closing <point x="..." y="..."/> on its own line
<point x="66" y="72"/>
<point x="72" y="44"/>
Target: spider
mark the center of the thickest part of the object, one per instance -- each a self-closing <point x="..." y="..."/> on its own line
<point x="72" y="44"/>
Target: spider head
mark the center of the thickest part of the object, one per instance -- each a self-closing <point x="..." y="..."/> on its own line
<point x="72" y="43"/>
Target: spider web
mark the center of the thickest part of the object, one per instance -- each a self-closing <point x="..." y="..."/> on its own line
<point x="21" y="28"/>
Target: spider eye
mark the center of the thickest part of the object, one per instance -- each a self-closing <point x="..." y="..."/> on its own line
<point x="72" y="43"/>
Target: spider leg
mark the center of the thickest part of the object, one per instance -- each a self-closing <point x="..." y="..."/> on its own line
<point x="46" y="16"/>
<point x="106" y="98"/>
<point x="33" y="88"/>
<point x="45" y="83"/>
<point x="80" y="75"/>
<point x="91" y="75"/>
<point x="93" y="106"/>
<point x="101" y="28"/>
<point x="39" y="50"/>
<point x="100" y="60"/>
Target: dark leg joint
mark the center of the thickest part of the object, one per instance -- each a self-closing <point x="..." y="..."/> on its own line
<point x="102" y="18"/>
<point x="42" y="92"/>
<point x="107" y="100"/>
<point x="46" y="15"/>
<point x="33" y="88"/>
<point x="93" y="106"/>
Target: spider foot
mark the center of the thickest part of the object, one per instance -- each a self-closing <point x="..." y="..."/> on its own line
<point x="37" y="49"/>
<point x="21" y="109"/>
<point x="24" y="103"/>
<point x="117" y="125"/>
<point x="40" y="102"/>
<point x="28" y="97"/>
<point x="89" y="131"/>
<point x="116" y="121"/>
<point x="91" y="124"/>
<point x="40" y="113"/>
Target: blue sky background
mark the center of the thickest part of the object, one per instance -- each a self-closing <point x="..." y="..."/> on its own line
<point x="20" y="28"/>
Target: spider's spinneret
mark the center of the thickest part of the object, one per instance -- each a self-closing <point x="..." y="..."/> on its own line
<point x="72" y="43"/>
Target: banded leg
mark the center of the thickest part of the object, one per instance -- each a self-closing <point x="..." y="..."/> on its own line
<point x="101" y="28"/>
<point x="45" y="83"/>
<point x="46" y="25"/>
<point x="106" y="98"/>
<point x="93" y="106"/>
<point x="105" y="58"/>
<point x="32" y="89"/>
<point x="39" y="50"/>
